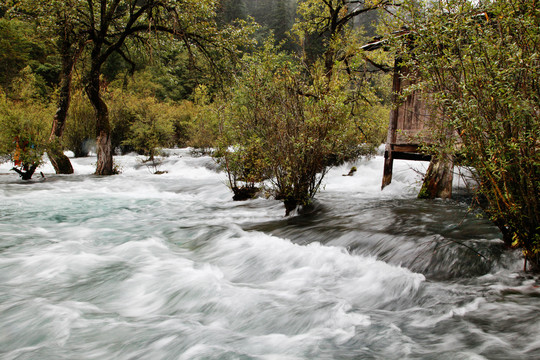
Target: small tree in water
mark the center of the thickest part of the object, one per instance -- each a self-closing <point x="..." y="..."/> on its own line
<point x="24" y="135"/>
<point x="286" y="124"/>
<point x="151" y="127"/>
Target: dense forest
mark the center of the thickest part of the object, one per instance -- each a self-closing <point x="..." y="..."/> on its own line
<point x="277" y="91"/>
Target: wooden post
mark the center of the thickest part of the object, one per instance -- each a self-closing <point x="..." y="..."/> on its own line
<point x="392" y="126"/>
<point x="388" y="167"/>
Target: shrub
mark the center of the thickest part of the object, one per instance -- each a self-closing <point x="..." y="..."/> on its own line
<point x="287" y="124"/>
<point x="203" y="130"/>
<point x="151" y="125"/>
<point x="480" y="63"/>
<point x="25" y="129"/>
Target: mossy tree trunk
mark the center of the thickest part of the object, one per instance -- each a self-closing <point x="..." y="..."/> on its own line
<point x="438" y="179"/>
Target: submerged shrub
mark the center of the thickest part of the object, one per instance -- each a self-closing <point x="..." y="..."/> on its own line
<point x="25" y="129"/>
<point x="145" y="124"/>
<point x="150" y="127"/>
<point x="287" y="125"/>
<point x="203" y="130"/>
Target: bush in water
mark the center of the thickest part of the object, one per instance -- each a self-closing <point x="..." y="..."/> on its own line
<point x="24" y="134"/>
<point x="287" y="124"/>
<point x="151" y="127"/>
<point x="203" y="130"/>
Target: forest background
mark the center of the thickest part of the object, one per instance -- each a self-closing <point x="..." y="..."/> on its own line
<point x="159" y="95"/>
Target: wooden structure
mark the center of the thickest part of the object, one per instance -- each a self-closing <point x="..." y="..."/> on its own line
<point x="408" y="128"/>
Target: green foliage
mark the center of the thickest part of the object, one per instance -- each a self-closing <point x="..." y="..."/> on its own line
<point x="14" y="50"/>
<point x="481" y="65"/>
<point x="144" y="124"/>
<point x="25" y="129"/>
<point x="27" y="71"/>
<point x="176" y="76"/>
<point x="152" y="127"/>
<point x="287" y="124"/>
<point x="148" y="133"/>
<point x="327" y="18"/>
<point x="80" y="133"/>
<point x="203" y="132"/>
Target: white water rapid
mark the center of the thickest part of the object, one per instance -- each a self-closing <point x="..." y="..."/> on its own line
<point x="143" y="266"/>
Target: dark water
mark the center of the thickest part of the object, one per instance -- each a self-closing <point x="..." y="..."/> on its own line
<point x="140" y="266"/>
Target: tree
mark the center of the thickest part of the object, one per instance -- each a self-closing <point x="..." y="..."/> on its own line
<point x="330" y="19"/>
<point x="479" y="62"/>
<point x="58" y="21"/>
<point x="15" y="50"/>
<point x="231" y="10"/>
<point x="103" y="28"/>
<point x="286" y="124"/>
<point x="282" y="20"/>
<point x="71" y="41"/>
<point x="110" y="23"/>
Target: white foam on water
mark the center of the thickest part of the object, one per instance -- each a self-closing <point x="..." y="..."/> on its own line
<point x="366" y="181"/>
<point x="160" y="266"/>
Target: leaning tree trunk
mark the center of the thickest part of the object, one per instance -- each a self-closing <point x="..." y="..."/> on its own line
<point x="438" y="179"/>
<point x="104" y="164"/>
<point x="60" y="162"/>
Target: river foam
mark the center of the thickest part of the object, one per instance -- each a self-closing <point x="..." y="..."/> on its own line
<point x="168" y="267"/>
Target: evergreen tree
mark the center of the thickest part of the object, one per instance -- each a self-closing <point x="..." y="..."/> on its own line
<point x="281" y="20"/>
<point x="232" y="10"/>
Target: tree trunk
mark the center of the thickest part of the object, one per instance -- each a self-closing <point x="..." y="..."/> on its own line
<point x="104" y="164"/>
<point x="27" y="172"/>
<point x="290" y="205"/>
<point x="60" y="162"/>
<point x="438" y="179"/>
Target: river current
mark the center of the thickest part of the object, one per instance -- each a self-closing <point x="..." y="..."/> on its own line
<point x="144" y="266"/>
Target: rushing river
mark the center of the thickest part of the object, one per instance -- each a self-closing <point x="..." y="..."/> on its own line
<point x="143" y="266"/>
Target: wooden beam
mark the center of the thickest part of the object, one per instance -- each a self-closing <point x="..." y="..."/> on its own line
<point x="412" y="148"/>
<point x="400" y="155"/>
